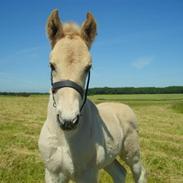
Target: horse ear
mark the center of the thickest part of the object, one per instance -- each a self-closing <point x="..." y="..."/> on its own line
<point x="54" y="27"/>
<point x="89" y="29"/>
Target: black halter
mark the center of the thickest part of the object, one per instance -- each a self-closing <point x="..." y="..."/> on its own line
<point x="70" y="84"/>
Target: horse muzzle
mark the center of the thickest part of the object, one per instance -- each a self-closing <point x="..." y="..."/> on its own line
<point x="67" y="125"/>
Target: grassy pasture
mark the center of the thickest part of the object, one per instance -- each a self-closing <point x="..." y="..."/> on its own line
<point x="160" y="119"/>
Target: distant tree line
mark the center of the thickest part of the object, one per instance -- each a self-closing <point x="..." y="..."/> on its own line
<point x="136" y="90"/>
<point x="119" y="90"/>
<point x="23" y="94"/>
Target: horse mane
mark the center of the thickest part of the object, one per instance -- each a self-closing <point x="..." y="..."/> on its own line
<point x="71" y="30"/>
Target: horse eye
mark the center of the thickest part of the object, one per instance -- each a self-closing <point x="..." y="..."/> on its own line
<point x="52" y="67"/>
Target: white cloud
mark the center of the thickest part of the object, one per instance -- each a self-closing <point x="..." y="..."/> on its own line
<point x="142" y="62"/>
<point x="28" y="50"/>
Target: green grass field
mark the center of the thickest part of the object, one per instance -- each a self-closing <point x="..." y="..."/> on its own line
<point x="160" y="120"/>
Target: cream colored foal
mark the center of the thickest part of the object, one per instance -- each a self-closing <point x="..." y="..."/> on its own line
<point x="78" y="138"/>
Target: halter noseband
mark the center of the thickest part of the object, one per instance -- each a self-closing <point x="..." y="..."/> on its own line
<point x="70" y="84"/>
<point x="67" y="83"/>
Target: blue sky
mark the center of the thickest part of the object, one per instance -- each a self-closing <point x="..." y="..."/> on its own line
<point x="139" y="42"/>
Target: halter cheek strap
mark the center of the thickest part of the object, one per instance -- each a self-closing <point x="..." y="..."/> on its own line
<point x="67" y="83"/>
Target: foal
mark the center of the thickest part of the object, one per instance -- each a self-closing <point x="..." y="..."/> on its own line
<point x="78" y="137"/>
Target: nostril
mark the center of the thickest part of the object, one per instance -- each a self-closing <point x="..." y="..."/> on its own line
<point x="60" y="120"/>
<point x="67" y="124"/>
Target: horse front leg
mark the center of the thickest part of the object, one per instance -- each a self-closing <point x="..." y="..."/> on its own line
<point x="89" y="176"/>
<point x="117" y="172"/>
<point x="51" y="177"/>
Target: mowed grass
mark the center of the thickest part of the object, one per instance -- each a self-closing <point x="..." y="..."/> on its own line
<point x="160" y="121"/>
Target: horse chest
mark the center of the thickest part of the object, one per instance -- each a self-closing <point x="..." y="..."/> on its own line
<point x="74" y="156"/>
